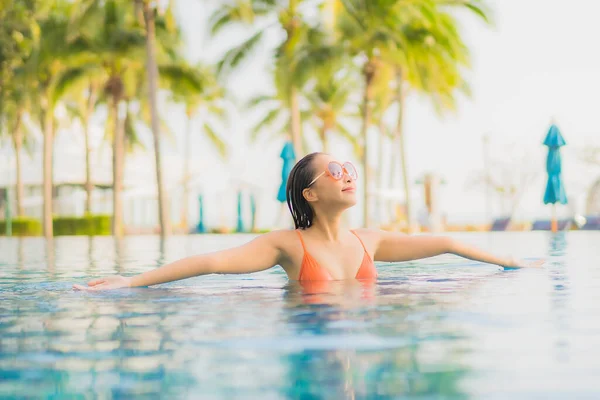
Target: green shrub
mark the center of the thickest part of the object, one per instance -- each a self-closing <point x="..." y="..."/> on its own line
<point x="89" y="225"/>
<point x="23" y="226"/>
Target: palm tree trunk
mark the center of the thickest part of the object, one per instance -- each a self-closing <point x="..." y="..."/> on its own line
<point x="324" y="140"/>
<point x="18" y="143"/>
<point x="380" y="158"/>
<point x="186" y="171"/>
<point x="296" y="123"/>
<point x="163" y="202"/>
<point x="48" y="125"/>
<point x="86" y="131"/>
<point x="392" y="203"/>
<point x="400" y="136"/>
<point x="118" y="153"/>
<point x="291" y="29"/>
<point x="368" y="72"/>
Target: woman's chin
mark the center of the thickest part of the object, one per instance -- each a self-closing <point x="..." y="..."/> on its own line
<point x="349" y="199"/>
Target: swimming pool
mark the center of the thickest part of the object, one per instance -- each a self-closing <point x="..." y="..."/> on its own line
<point x="437" y="328"/>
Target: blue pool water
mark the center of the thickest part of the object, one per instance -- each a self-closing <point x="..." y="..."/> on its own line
<point x="442" y="328"/>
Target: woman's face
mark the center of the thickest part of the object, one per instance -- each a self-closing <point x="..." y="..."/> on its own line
<point x="328" y="191"/>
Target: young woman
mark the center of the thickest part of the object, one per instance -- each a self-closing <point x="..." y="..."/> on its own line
<point x="319" y="190"/>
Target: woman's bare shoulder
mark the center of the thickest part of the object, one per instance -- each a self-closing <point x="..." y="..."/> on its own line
<point x="367" y="233"/>
<point x="283" y="237"/>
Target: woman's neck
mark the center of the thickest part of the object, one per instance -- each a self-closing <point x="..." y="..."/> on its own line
<point x="328" y="226"/>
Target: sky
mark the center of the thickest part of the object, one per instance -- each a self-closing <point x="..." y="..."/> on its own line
<point x="537" y="64"/>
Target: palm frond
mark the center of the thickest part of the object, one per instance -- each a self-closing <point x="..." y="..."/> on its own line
<point x="261" y="100"/>
<point x="477" y="7"/>
<point x="132" y="137"/>
<point x="235" y="56"/>
<point x="166" y="131"/>
<point x="221" y="18"/>
<point x="70" y="78"/>
<point x="269" y="120"/>
<point x="216" y="140"/>
<point x="217" y="110"/>
<point x="181" y="78"/>
<point x="351" y="138"/>
<point x="243" y="12"/>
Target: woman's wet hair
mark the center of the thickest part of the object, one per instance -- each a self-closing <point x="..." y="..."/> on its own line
<point x="300" y="177"/>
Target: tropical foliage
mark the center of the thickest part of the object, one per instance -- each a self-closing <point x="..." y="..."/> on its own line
<point x="353" y="65"/>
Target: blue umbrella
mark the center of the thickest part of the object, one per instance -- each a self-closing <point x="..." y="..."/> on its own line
<point x="201" y="228"/>
<point x="555" y="191"/>
<point x="240" y="222"/>
<point x="253" y="212"/>
<point x="289" y="158"/>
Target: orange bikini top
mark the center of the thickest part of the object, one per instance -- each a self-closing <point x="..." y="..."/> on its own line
<point x="310" y="270"/>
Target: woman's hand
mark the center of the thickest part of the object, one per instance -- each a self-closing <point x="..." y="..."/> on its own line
<point x="513" y="263"/>
<point x="106" y="283"/>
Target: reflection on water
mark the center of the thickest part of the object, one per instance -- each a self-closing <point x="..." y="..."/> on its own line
<point x="560" y="304"/>
<point x="439" y="328"/>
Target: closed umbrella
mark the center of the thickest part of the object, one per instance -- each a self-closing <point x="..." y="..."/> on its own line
<point x="201" y="228"/>
<point x="252" y="212"/>
<point x="240" y="221"/>
<point x="289" y="158"/>
<point x="555" y="191"/>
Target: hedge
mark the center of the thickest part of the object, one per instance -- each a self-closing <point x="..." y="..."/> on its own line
<point x="89" y="225"/>
<point x="23" y="226"/>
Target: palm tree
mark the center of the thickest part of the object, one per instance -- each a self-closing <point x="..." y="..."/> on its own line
<point x="402" y="34"/>
<point x="47" y="60"/>
<point x="19" y="34"/>
<point x="383" y="98"/>
<point x="12" y="120"/>
<point x="198" y="89"/>
<point x="275" y="108"/>
<point x="372" y="31"/>
<point x="263" y="15"/>
<point x="152" y="74"/>
<point x="329" y="100"/>
<point x="328" y="84"/>
<point x="433" y="67"/>
<point x="81" y="104"/>
<point x="114" y="53"/>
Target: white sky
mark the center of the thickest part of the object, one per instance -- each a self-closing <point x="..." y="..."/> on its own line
<point x="539" y="61"/>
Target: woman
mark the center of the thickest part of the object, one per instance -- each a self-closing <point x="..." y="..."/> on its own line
<point x="319" y="190"/>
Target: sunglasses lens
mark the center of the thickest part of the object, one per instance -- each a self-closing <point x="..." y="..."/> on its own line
<point x="336" y="171"/>
<point x="351" y="170"/>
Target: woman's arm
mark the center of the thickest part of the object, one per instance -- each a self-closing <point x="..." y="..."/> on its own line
<point x="395" y="247"/>
<point x="259" y="254"/>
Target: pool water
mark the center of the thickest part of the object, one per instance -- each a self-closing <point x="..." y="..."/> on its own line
<point x="441" y="328"/>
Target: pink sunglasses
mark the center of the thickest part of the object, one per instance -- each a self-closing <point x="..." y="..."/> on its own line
<point x="337" y="170"/>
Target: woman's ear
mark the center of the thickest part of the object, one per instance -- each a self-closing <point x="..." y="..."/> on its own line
<point x="310" y="195"/>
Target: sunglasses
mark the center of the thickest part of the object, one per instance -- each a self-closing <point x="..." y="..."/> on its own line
<point x="337" y="170"/>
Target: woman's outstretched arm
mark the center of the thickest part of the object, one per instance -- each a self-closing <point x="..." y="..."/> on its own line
<point x="395" y="247"/>
<point x="257" y="255"/>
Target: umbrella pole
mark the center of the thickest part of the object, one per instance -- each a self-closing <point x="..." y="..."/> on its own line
<point x="554" y="222"/>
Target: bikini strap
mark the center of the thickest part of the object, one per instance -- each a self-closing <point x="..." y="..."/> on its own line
<point x="301" y="240"/>
<point x="360" y="240"/>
